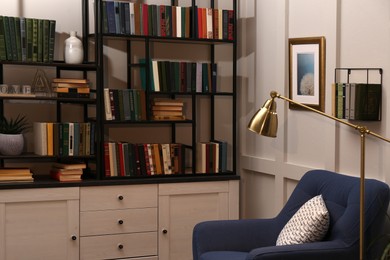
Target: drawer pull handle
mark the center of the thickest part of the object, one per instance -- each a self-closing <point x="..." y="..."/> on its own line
<point x="74" y="237"/>
<point x="120" y="222"/>
<point x="120" y="246"/>
<point x="120" y="197"/>
<point x="164" y="231"/>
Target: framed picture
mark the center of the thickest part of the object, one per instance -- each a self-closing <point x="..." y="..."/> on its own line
<point x="307" y="72"/>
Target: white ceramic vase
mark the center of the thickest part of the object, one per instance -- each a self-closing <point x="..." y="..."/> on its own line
<point x="74" y="52"/>
<point x="11" y="144"/>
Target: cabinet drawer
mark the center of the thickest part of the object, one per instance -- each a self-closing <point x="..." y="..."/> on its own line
<point x="118" y="197"/>
<point x="118" y="246"/>
<point x="118" y="221"/>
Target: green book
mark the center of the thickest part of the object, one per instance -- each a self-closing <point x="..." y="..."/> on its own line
<point x="121" y="106"/>
<point x="18" y="46"/>
<point x="40" y="41"/>
<point x="3" y="51"/>
<point x="131" y="104"/>
<point x="45" y="40"/>
<point x="65" y="139"/>
<point x="7" y="38"/>
<point x="52" y="35"/>
<point x="35" y="40"/>
<point x="23" y="38"/>
<point x="29" y="34"/>
<point x="105" y="22"/>
<point x="11" y="25"/>
<point x="368" y="100"/>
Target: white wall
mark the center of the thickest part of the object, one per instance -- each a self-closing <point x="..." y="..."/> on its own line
<point x="357" y="35"/>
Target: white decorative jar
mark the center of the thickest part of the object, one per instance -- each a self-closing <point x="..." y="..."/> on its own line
<point x="74" y="52"/>
<point x="11" y="144"/>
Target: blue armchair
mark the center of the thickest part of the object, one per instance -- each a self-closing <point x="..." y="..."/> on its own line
<point x="249" y="239"/>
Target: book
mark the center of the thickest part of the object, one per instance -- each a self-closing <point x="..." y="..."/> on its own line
<point x="49" y="134"/>
<point x="16" y="178"/>
<point x="64" y="177"/>
<point x="368" y="100"/>
<point x="40" y="138"/>
<point x="167" y="102"/>
<point x="70" y="166"/>
<point x="107" y="105"/>
<point x="52" y="34"/>
<point x="3" y="51"/>
<point x="18" y="46"/>
<point x="71" y="80"/>
<point x="78" y="171"/>
<point x="15" y="171"/>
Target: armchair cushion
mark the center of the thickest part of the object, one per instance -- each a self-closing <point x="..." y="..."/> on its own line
<point x="309" y="224"/>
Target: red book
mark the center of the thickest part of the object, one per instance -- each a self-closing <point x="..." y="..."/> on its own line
<point x="145" y="19"/>
<point x="106" y="160"/>
<point x="230" y="25"/>
<point x="200" y="26"/>
<point x="121" y="160"/>
<point x="162" y="21"/>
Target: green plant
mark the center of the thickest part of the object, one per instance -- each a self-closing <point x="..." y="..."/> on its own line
<point x="16" y="125"/>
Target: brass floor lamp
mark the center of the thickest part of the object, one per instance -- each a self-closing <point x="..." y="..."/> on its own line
<point x="265" y="122"/>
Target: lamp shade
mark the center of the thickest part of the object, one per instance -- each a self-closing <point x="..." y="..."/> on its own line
<point x="265" y="121"/>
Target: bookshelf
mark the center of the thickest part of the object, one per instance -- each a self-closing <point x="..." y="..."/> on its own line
<point x="159" y="75"/>
<point x="108" y="215"/>
<point x="46" y="108"/>
<point x="188" y="62"/>
<point x="359" y="95"/>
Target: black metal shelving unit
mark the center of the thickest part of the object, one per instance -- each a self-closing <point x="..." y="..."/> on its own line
<point x="148" y="41"/>
<point x="368" y="79"/>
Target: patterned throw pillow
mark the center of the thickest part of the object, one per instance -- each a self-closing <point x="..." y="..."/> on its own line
<point x="309" y="224"/>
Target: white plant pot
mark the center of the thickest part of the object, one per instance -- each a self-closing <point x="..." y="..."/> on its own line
<point x="11" y="144"/>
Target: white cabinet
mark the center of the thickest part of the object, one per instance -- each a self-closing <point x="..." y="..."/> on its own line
<point x="140" y="221"/>
<point x="183" y="205"/>
<point x="39" y="224"/>
<point x="118" y="222"/>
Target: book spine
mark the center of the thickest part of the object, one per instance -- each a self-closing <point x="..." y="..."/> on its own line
<point x="52" y="30"/>
<point x="18" y="39"/>
<point x="23" y="39"/>
<point x="35" y="40"/>
<point x="3" y="51"/>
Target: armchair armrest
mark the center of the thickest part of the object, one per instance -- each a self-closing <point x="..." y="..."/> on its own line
<point x="323" y="250"/>
<point x="234" y="235"/>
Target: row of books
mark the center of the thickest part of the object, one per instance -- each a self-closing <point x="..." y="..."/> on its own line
<point x="71" y="87"/>
<point x="211" y="157"/>
<point x="64" y="139"/>
<point x="357" y="101"/>
<point x="180" y="76"/>
<point x="124" y="104"/>
<point x="128" y="159"/>
<point x="27" y="39"/>
<point x="167" y="109"/>
<point x="167" y="21"/>
<point x="16" y="175"/>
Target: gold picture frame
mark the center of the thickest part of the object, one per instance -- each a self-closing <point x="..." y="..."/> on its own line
<point x="307" y="72"/>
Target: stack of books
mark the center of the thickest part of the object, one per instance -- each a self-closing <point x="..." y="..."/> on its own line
<point x="71" y="88"/>
<point x="67" y="171"/>
<point x="167" y="109"/>
<point x="15" y="175"/>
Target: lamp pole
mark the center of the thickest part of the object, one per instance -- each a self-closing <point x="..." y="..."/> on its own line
<point x="259" y="120"/>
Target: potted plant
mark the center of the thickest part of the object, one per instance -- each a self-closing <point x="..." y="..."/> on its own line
<point x="11" y="134"/>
